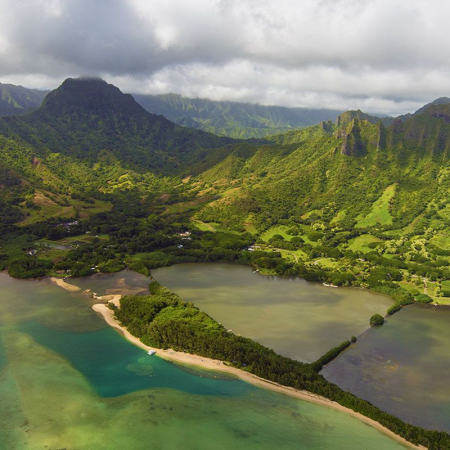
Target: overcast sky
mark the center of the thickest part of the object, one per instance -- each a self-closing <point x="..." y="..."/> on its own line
<point x="387" y="56"/>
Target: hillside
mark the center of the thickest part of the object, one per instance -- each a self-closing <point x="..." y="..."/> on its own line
<point x="341" y="168"/>
<point x="233" y="119"/>
<point x="17" y="100"/>
<point x="86" y="143"/>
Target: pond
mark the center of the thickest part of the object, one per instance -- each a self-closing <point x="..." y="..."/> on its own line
<point x="402" y="367"/>
<point x="296" y="318"/>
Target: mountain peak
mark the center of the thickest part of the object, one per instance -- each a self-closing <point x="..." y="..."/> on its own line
<point x="438" y="101"/>
<point x="347" y="116"/>
<point x="90" y="95"/>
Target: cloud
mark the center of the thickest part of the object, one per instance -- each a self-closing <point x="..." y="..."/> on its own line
<point x="380" y="55"/>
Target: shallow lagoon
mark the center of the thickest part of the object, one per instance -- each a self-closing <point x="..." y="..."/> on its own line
<point x="68" y="381"/>
<point x="402" y="367"/>
<point x="294" y="317"/>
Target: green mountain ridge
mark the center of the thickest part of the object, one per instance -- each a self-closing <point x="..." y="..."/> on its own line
<point x="17" y="100"/>
<point x="344" y="167"/>
<point x="233" y="119"/>
<point x="88" y="130"/>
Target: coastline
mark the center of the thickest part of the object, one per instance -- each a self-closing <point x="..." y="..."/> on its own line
<point x="212" y="364"/>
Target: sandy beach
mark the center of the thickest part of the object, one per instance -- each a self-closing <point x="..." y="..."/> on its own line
<point x="212" y="364"/>
<point x="61" y="283"/>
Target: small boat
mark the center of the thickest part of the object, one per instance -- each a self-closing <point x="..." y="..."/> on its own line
<point x="151" y="352"/>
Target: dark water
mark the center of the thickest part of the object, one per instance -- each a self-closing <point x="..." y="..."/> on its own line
<point x="68" y="381"/>
<point x="296" y="318"/>
<point x="402" y="367"/>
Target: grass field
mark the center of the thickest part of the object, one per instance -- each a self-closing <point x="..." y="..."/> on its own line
<point x="380" y="210"/>
<point x="211" y="226"/>
<point x="339" y="216"/>
<point x="360" y="243"/>
<point x="293" y="255"/>
<point x="271" y="232"/>
<point x="61" y="207"/>
<point x="84" y="238"/>
<point x="310" y="213"/>
<point x="326" y="263"/>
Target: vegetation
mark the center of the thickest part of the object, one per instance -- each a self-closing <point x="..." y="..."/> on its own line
<point x="16" y="100"/>
<point x="376" y="320"/>
<point x="317" y="366"/>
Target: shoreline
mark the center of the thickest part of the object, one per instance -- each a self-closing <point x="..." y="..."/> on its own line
<point x="61" y="283"/>
<point x="212" y="364"/>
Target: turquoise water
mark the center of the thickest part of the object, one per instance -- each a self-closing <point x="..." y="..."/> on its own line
<point x="113" y="367"/>
<point x="68" y="381"/>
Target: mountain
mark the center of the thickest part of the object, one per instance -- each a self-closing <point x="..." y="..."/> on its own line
<point x="17" y="100"/>
<point x="237" y="120"/>
<point x="90" y="140"/>
<point x="343" y="174"/>
<point x="86" y="116"/>
<point x="438" y="101"/>
<point x="90" y="144"/>
<point x="348" y="116"/>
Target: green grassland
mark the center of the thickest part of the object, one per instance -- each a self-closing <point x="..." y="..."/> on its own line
<point x="360" y="243"/>
<point x="338" y="218"/>
<point x="441" y="240"/>
<point x="271" y="232"/>
<point x="380" y="210"/>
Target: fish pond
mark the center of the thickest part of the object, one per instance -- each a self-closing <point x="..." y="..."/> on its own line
<point x="402" y="367"/>
<point x="294" y="317"/>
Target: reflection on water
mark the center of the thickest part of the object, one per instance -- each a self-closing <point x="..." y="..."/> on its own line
<point x="69" y="382"/>
<point x="402" y="367"/>
<point x="296" y="318"/>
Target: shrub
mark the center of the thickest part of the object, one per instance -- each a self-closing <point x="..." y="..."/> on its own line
<point x="393" y="309"/>
<point x="29" y="268"/>
<point x="423" y="298"/>
<point x="376" y="320"/>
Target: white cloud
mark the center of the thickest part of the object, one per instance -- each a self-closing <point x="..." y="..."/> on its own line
<point x="379" y="55"/>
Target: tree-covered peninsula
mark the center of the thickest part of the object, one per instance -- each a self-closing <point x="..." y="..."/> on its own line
<point x="162" y="319"/>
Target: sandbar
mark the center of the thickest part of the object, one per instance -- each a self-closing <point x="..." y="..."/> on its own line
<point x="61" y="283"/>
